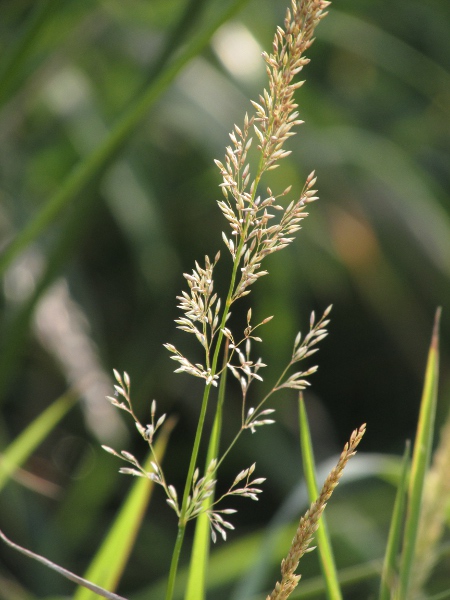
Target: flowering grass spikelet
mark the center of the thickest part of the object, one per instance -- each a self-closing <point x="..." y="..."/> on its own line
<point x="309" y="523"/>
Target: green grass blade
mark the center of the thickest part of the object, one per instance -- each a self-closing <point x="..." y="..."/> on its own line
<point x="21" y="448"/>
<point x="96" y="162"/>
<point x="108" y="564"/>
<point x="421" y="460"/>
<point x="323" y="540"/>
<point x="395" y="532"/>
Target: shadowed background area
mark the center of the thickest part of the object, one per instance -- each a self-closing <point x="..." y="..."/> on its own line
<point x="120" y="214"/>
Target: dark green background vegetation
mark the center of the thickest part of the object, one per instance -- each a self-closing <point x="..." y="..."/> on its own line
<point x="377" y="246"/>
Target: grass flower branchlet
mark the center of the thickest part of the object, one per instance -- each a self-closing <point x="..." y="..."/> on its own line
<point x="260" y="224"/>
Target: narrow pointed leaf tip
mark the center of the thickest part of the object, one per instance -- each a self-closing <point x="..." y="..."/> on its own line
<point x="437" y="321"/>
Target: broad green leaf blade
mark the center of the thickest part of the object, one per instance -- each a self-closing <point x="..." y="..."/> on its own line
<point x="108" y="565"/>
<point x="421" y="460"/>
<point x="395" y="532"/>
<point x="323" y="540"/>
<point x="21" y="448"/>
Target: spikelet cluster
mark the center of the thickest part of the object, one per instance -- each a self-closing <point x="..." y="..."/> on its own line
<point x="310" y="521"/>
<point x="259" y="226"/>
<point x="255" y="231"/>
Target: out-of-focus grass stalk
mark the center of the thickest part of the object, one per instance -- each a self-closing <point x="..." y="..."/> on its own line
<point x="16" y="334"/>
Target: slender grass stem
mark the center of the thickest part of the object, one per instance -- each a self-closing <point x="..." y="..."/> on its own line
<point x="182" y="520"/>
<point x="175" y="559"/>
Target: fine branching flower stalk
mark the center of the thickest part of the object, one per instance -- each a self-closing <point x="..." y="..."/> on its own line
<point x="259" y="226"/>
<point x="253" y="237"/>
<point x="310" y="522"/>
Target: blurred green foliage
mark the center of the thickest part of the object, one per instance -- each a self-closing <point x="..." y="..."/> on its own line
<point x="96" y="289"/>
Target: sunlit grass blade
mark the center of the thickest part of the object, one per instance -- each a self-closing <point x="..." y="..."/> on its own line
<point x="420" y="461"/>
<point x="22" y="447"/>
<point x="323" y="540"/>
<point x="390" y="564"/>
<point x="107" y="566"/>
<point x="94" y="164"/>
<point x="435" y="514"/>
<point x="231" y="561"/>
<point x="196" y="583"/>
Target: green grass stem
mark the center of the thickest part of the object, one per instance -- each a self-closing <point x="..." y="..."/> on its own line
<point x="196" y="585"/>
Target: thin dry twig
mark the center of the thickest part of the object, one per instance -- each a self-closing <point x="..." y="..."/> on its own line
<point x="64" y="572"/>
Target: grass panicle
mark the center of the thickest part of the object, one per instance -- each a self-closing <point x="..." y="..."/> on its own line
<point x="259" y="222"/>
